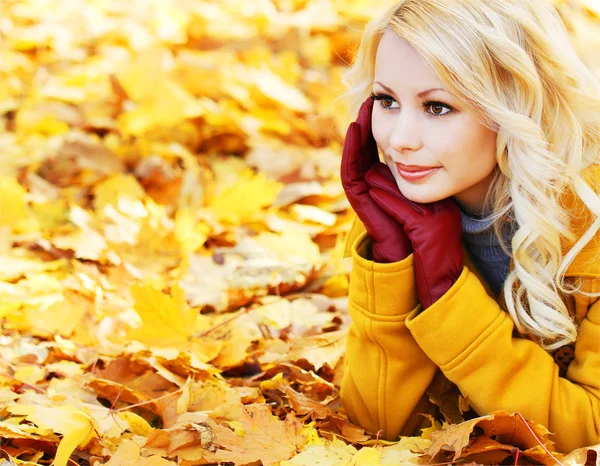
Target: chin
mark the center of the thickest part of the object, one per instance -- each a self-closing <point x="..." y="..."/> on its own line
<point x="422" y="194"/>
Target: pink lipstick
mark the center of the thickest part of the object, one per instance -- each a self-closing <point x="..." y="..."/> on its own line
<point x="414" y="174"/>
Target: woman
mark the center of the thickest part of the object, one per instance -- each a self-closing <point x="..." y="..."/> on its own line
<point x="476" y="248"/>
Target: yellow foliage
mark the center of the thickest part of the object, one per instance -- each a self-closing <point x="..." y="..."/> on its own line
<point x="123" y="193"/>
<point x="190" y="233"/>
<point x="137" y="424"/>
<point x="75" y="425"/>
<point x="294" y="245"/>
<point x="243" y="201"/>
<point x="14" y="210"/>
<point x="336" y="287"/>
<point x="167" y="320"/>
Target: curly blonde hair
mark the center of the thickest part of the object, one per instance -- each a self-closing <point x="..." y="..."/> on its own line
<point x="512" y="62"/>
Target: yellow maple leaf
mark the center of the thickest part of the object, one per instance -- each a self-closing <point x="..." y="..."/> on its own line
<point x="32" y="120"/>
<point x="12" y="267"/>
<point x="166" y="320"/>
<point x="14" y="208"/>
<point x="243" y="200"/>
<point x="62" y="317"/>
<point x="319" y="349"/>
<point x="335" y="454"/>
<point x="190" y="233"/>
<point x="313" y="214"/>
<point x="336" y="286"/>
<point x="272" y="86"/>
<point x="292" y="245"/>
<point x="128" y="454"/>
<point x="405" y="452"/>
<point x="161" y="100"/>
<point x="76" y="426"/>
<point x="123" y="192"/>
<point x="30" y="374"/>
<point x="137" y="424"/>
<point x="7" y="102"/>
<point x="367" y="456"/>
<point x="86" y="243"/>
<point x="172" y="105"/>
<point x="135" y="79"/>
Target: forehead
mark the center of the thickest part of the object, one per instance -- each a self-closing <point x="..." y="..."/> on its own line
<point x="398" y="65"/>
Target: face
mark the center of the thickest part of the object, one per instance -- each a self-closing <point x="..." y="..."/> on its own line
<point x="428" y="129"/>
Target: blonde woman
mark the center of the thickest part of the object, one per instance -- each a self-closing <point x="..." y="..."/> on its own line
<point x="473" y="168"/>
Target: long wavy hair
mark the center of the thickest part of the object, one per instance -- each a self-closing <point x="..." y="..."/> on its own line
<point x="513" y="64"/>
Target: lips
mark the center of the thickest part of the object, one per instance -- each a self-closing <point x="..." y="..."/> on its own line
<point x="415" y="175"/>
<point x="414" y="168"/>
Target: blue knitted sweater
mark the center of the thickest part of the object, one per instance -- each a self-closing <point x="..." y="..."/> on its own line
<point x="485" y="251"/>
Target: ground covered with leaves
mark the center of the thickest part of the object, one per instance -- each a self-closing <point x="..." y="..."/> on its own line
<point x="172" y="287"/>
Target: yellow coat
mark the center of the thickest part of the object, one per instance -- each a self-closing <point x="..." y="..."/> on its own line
<point x="394" y="351"/>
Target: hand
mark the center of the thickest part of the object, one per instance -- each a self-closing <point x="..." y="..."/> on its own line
<point x="434" y="229"/>
<point x="389" y="241"/>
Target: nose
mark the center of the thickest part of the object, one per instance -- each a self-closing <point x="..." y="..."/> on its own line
<point x="406" y="133"/>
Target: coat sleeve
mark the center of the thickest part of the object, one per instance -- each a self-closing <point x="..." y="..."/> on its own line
<point x="386" y="373"/>
<point x="470" y="338"/>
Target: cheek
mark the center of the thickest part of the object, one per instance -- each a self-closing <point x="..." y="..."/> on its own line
<point x="378" y="128"/>
<point x="492" y="147"/>
<point x="487" y="151"/>
<point x="478" y="153"/>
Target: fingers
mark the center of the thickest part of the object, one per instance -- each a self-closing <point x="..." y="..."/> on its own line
<point x="448" y="208"/>
<point x="348" y="169"/>
<point x="384" y="170"/>
<point x="368" y="146"/>
<point x="379" y="175"/>
<point x="360" y="148"/>
<point x="364" y="113"/>
<point x="395" y="207"/>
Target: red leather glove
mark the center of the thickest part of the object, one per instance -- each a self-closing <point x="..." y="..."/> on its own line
<point x="389" y="241"/>
<point x="434" y="229"/>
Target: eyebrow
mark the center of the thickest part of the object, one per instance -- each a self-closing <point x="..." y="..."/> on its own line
<point x="420" y="94"/>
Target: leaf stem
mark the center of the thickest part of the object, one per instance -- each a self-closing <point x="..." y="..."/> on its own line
<point x="537" y="438"/>
<point x="221" y="324"/>
<point x="125" y="408"/>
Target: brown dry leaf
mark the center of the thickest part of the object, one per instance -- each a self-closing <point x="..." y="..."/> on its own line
<point x="340" y="426"/>
<point x="190" y="440"/>
<point x="264" y="438"/>
<point x="128" y="454"/>
<point x="239" y="334"/>
<point x="306" y="382"/>
<point x="217" y="399"/>
<point x="129" y="381"/>
<point x="257" y="435"/>
<point x="319" y="350"/>
<point x="586" y="455"/>
<point x="6" y="459"/>
<point x="507" y="428"/>
<point x="484" y="449"/>
<point x="447" y="397"/>
<point x="301" y="404"/>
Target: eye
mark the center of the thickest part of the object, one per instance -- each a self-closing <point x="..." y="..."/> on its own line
<point x="437" y="106"/>
<point x="383" y="99"/>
